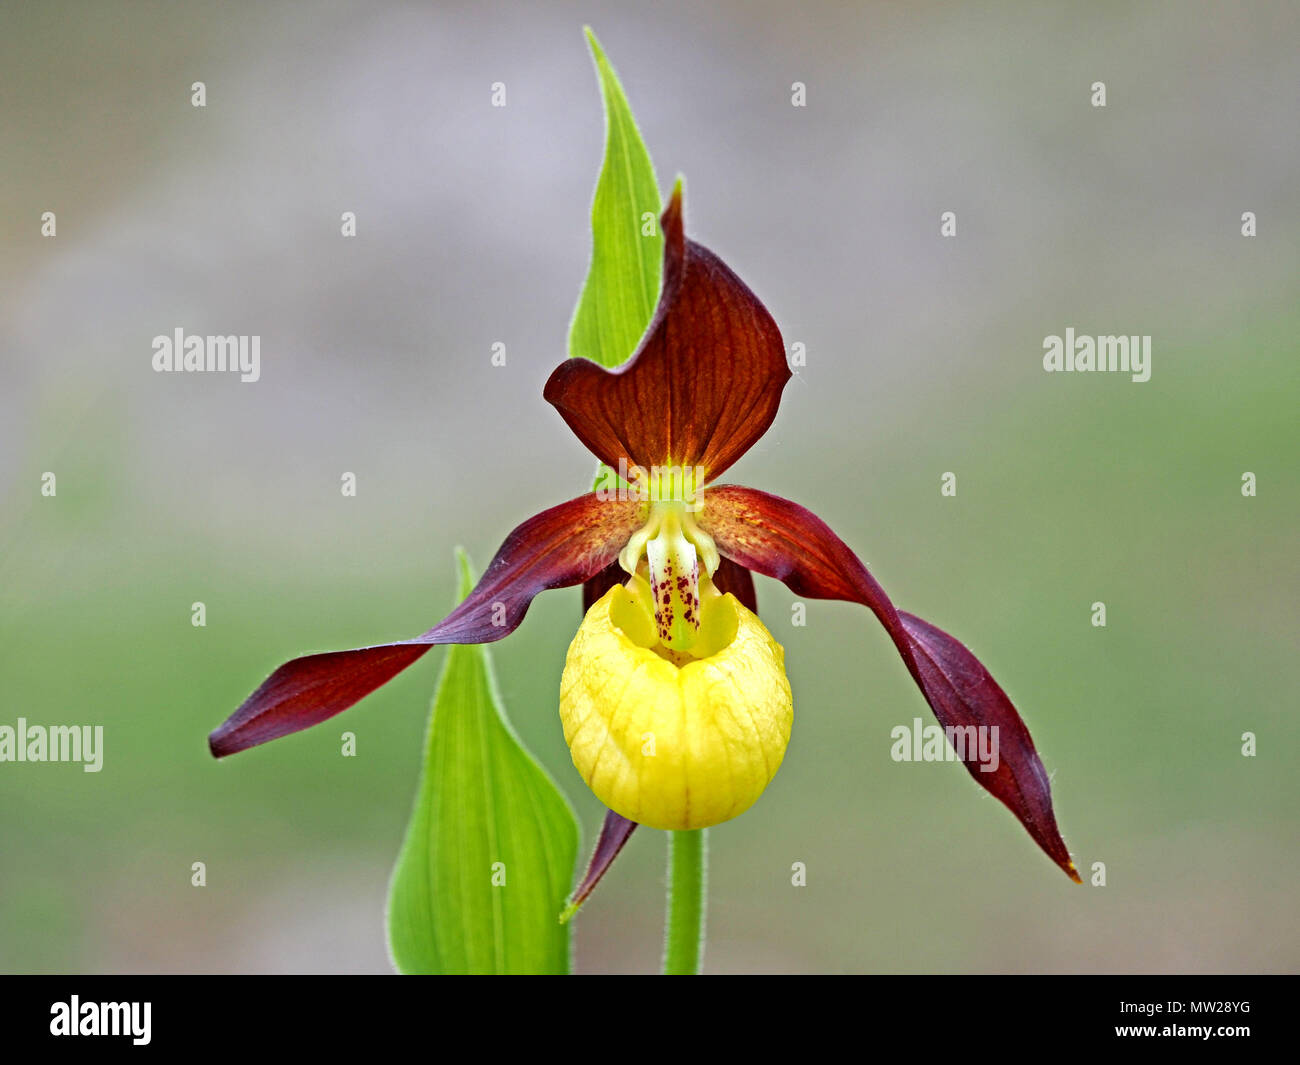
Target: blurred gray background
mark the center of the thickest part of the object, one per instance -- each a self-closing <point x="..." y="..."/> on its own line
<point x="923" y="356"/>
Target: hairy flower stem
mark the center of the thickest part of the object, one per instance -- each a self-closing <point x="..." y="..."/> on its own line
<point x="687" y="884"/>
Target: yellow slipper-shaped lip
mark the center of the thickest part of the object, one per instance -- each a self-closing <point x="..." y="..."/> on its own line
<point x="672" y="740"/>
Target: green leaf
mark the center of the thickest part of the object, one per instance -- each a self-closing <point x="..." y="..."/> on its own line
<point x="490" y="852"/>
<point x="622" y="286"/>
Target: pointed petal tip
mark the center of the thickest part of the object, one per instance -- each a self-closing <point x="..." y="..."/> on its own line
<point x="614" y="834"/>
<point x="674" y="228"/>
<point x="672" y="216"/>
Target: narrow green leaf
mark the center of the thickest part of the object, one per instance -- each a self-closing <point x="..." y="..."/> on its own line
<point x="622" y="286"/>
<point x="490" y="852"/>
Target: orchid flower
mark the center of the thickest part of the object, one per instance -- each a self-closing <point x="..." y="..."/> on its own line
<point x="674" y="699"/>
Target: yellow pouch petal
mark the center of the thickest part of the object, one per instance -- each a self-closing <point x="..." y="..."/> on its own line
<point x="668" y="739"/>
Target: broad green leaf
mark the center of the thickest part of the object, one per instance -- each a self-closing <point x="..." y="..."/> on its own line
<point x="489" y="855"/>
<point x="622" y="286"/>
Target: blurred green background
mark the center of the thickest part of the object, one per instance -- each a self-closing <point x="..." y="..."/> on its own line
<point x="923" y="356"/>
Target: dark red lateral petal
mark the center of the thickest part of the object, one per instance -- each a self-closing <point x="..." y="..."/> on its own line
<point x="309" y="690"/>
<point x="962" y="692"/>
<point x="703" y="385"/>
<point x="559" y="547"/>
<point x="781" y="539"/>
<point x="614" y="833"/>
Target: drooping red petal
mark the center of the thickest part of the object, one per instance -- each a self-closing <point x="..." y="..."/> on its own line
<point x="781" y="539"/>
<point x="614" y="833"/>
<point x="562" y="546"/>
<point x="309" y="690"/>
<point x="705" y="382"/>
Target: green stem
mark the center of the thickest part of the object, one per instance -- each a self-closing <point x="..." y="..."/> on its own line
<point x="687" y="876"/>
